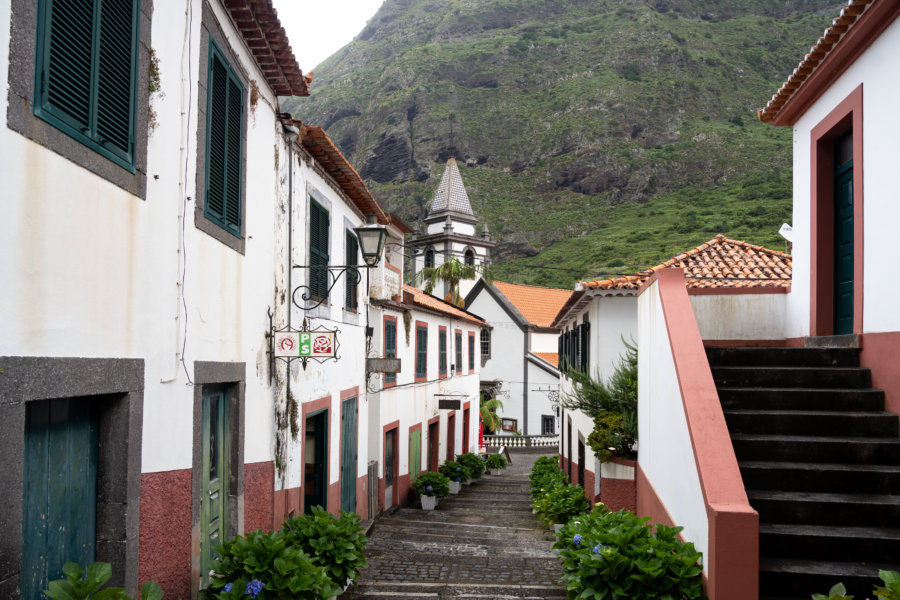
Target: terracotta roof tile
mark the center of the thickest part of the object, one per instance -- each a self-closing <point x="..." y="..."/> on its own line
<point x="539" y="305"/>
<point x="417" y="297"/>
<point x="718" y="263"/>
<point x="830" y="39"/>
<point x="550" y="357"/>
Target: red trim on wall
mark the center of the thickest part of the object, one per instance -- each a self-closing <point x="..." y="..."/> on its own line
<point x="443" y="329"/>
<point x="866" y="30"/>
<point x="846" y="115"/>
<point x="466" y="425"/>
<point x="392" y="267"/>
<point x="739" y="291"/>
<point x="307" y="408"/>
<point x="362" y="497"/>
<point x="165" y="533"/>
<point x="384" y="382"/>
<point x="334" y="497"/>
<point x="648" y="501"/>
<point x="259" y="496"/>
<point x="879" y="353"/>
<point x="416" y="355"/>
<point x="732" y="565"/>
<point x="745" y="343"/>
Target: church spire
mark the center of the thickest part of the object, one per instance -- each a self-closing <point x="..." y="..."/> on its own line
<point x="451" y="193"/>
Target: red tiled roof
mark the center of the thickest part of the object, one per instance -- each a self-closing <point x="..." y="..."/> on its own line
<point x="538" y="305"/>
<point x="258" y="23"/>
<point x="319" y="145"/>
<point x="719" y="263"/>
<point x="835" y="40"/>
<point x="417" y="297"/>
<point x="550" y="357"/>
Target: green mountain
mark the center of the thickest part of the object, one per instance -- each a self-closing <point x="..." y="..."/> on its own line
<point x="594" y="136"/>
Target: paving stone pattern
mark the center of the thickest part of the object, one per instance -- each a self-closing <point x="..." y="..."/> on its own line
<point x="483" y="543"/>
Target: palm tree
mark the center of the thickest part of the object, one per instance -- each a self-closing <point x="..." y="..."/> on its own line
<point x="451" y="273"/>
<point x="489" y="416"/>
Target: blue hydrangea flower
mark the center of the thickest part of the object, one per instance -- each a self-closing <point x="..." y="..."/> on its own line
<point x="596" y="549"/>
<point x="429" y="489"/>
<point x="458" y="469"/>
<point x="227" y="587"/>
<point x="577" y="539"/>
<point x="254" y="588"/>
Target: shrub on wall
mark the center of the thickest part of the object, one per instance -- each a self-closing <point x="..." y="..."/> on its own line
<point x="336" y="543"/>
<point x="554" y="499"/>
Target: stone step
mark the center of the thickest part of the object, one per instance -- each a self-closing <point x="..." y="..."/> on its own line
<point x="813" y="422"/>
<point x="830" y="543"/>
<point x="819" y="477"/>
<point x="801" y="398"/>
<point x="794" y="578"/>
<point x="438" y="591"/>
<point x="792" y="377"/>
<point x="800" y="357"/>
<point x="842" y="509"/>
<point x="848" y="450"/>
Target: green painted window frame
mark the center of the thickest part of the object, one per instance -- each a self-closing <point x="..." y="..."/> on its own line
<point x="104" y="91"/>
<point x="471" y="352"/>
<point x="351" y="300"/>
<point x="442" y="351"/>
<point x="457" y="338"/>
<point x="319" y="224"/>
<point x="421" y="352"/>
<point x="390" y="347"/>
<point x="230" y="118"/>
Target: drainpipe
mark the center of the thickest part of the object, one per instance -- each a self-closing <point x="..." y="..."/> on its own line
<point x="291" y="133"/>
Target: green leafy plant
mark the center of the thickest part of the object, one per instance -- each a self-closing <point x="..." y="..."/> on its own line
<point x="335" y="543"/>
<point x="429" y="483"/>
<point x="454" y="471"/>
<point x="545" y="475"/>
<point x="451" y="272"/>
<point x="488" y="410"/>
<point x="74" y="587"/>
<point x="473" y="463"/>
<point x="618" y="556"/>
<point x="560" y="504"/>
<point x="495" y="461"/>
<point x="610" y="438"/>
<point x="837" y="592"/>
<point x="267" y="567"/>
<point x="891" y="589"/>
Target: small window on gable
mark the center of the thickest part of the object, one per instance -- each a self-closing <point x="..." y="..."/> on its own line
<point x="224" y="143"/>
<point x="86" y="73"/>
<point x="318" y="251"/>
<point x="486" y="342"/>
<point x="429" y="259"/>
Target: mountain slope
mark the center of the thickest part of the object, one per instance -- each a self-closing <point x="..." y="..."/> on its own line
<point x="569" y="114"/>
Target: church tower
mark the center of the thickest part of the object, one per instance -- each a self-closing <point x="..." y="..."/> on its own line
<point x="450" y="232"/>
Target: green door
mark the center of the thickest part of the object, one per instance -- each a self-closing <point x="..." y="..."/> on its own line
<point x="214" y="490"/>
<point x="415" y="454"/>
<point x="348" y="455"/>
<point x="843" y="237"/>
<point x="60" y="501"/>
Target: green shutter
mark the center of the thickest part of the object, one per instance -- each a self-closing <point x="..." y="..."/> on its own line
<point x="348" y="454"/>
<point x="421" y="351"/>
<point x="459" y="366"/>
<point x="86" y="73"/>
<point x="415" y="454"/>
<point x="471" y="352"/>
<point x="224" y="143"/>
<point x="390" y="347"/>
<point x="442" y="349"/>
<point x="351" y="301"/>
<point x="318" y="250"/>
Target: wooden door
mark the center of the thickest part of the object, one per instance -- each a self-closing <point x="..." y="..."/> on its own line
<point x="843" y="236"/>
<point x="315" y="467"/>
<point x="348" y="455"/>
<point x="389" y="468"/>
<point x="415" y="454"/>
<point x="59" y="520"/>
<point x="214" y="474"/>
<point x="451" y="437"/>
<point x="465" y="431"/>
<point x="434" y="444"/>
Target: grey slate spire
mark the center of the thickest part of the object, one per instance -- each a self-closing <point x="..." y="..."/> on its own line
<point x="451" y="193"/>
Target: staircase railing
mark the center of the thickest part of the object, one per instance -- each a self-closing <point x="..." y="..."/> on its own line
<point x="522" y="441"/>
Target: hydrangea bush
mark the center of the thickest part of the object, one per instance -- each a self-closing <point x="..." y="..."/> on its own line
<point x="432" y="484"/>
<point x="454" y="471"/>
<point x="473" y="462"/>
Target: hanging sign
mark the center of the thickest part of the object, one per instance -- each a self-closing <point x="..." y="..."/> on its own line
<point x="383" y="365"/>
<point x="305" y="344"/>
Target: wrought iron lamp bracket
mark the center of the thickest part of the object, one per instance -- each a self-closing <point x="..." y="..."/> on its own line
<point x="310" y="302"/>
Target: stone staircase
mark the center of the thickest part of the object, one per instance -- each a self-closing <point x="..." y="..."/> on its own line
<point x="820" y="460"/>
<point x="483" y="543"/>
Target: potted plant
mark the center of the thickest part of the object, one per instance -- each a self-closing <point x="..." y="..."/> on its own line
<point x="473" y="463"/>
<point x="431" y="486"/>
<point x="495" y="463"/>
<point x="456" y="473"/>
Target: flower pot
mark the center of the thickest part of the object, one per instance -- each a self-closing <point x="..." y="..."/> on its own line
<point x="429" y="502"/>
<point x="454" y="487"/>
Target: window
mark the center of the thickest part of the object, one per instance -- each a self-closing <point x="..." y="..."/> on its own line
<point x="458" y="345"/>
<point x="390" y="347"/>
<point x="421" y="351"/>
<point x="471" y="352"/>
<point x="86" y="73"/>
<point x="442" y="352"/>
<point x="548" y="424"/>
<point x="470" y="257"/>
<point x="485" y="342"/>
<point x="224" y="143"/>
<point x="318" y="251"/>
<point x="429" y="258"/>
<point x="352" y="287"/>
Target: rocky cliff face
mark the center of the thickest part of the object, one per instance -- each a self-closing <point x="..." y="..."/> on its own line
<point x="563" y="108"/>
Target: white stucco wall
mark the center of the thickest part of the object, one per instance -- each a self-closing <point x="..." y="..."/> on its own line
<point x="665" y="454"/>
<point x="881" y="122"/>
<point x="740" y="316"/>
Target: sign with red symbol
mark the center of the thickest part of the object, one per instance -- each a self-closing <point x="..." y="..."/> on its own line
<point x="305" y="344"/>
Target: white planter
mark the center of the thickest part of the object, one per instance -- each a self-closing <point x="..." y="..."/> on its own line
<point x="454" y="487"/>
<point x="429" y="502"/>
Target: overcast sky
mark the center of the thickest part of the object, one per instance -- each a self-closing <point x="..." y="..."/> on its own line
<point x="319" y="28"/>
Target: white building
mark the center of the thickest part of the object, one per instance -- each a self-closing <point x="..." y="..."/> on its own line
<point x="520" y="352"/>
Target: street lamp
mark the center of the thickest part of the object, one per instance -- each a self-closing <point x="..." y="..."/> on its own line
<point x="371" y="238"/>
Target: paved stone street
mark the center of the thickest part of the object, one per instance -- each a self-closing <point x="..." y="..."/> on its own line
<point x="483" y="543"/>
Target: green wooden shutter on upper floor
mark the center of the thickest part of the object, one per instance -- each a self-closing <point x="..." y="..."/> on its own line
<point x="318" y="250"/>
<point x="459" y="359"/>
<point x="442" y="352"/>
<point x="224" y="143"/>
<point x="390" y="347"/>
<point x="351" y="301"/>
<point x="471" y="352"/>
<point x="86" y="73"/>
<point x="421" y="351"/>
